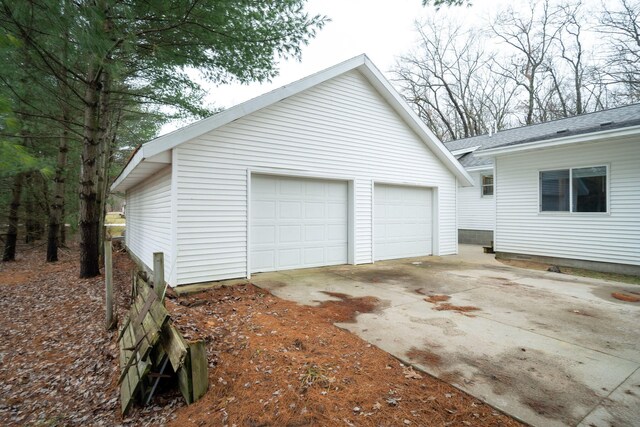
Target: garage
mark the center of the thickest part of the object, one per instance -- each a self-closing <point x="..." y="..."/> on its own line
<point x="297" y="223"/>
<point x="294" y="179"/>
<point x="402" y="221"/>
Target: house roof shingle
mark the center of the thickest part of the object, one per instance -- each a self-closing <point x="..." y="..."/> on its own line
<point x="586" y="123"/>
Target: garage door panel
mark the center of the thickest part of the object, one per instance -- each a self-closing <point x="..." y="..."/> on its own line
<point x="335" y="210"/>
<point x="264" y="209"/>
<point x="336" y="232"/>
<point x="314" y="210"/>
<point x="264" y="234"/>
<point x="307" y="227"/>
<point x="402" y="221"/>
<point x="290" y="234"/>
<point x="315" y="190"/>
<point x="289" y="209"/>
<point x="313" y="233"/>
<point x="289" y="258"/>
<point x="314" y="255"/>
<point x="336" y="254"/>
<point x="264" y="187"/>
<point x="263" y="258"/>
<point x="289" y="187"/>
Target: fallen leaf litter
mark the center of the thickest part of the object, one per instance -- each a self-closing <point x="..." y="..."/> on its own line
<point x="271" y="362"/>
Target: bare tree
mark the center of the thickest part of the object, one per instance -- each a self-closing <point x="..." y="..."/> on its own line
<point x="449" y="81"/>
<point x="532" y="35"/>
<point x="554" y="59"/>
<point x="621" y="25"/>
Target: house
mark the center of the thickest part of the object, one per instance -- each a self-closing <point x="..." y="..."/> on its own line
<point x="332" y="169"/>
<point x="566" y="192"/>
<point x="476" y="205"/>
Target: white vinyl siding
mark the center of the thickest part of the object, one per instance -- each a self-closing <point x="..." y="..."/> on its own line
<point x="148" y="216"/>
<point x="476" y="212"/>
<point x="342" y="129"/>
<point x="403" y="224"/>
<point x="612" y="237"/>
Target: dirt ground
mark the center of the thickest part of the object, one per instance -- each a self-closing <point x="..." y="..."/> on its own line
<point x="58" y="364"/>
<point x="624" y="278"/>
<point x="272" y="362"/>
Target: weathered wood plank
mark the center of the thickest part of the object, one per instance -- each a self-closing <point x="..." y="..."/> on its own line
<point x="108" y="285"/>
<point x="185" y="381"/>
<point x="199" y="369"/>
<point x="129" y="376"/>
<point x="174" y="345"/>
<point x="158" y="274"/>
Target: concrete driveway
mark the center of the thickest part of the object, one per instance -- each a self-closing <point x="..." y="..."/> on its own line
<point x="547" y="348"/>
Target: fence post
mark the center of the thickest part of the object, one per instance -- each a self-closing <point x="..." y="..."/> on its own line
<point x="108" y="282"/>
<point x="158" y="274"/>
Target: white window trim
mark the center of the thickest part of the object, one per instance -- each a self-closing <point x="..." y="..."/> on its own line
<point x="482" y="175"/>
<point x="607" y="167"/>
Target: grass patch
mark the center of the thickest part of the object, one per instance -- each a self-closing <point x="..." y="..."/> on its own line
<point x="112" y="218"/>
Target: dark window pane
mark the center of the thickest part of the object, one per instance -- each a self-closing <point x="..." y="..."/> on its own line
<point x="487" y="185"/>
<point x="554" y="191"/>
<point x="590" y="189"/>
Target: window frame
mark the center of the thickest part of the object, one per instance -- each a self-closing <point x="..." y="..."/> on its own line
<point x="482" y="185"/>
<point x="570" y="169"/>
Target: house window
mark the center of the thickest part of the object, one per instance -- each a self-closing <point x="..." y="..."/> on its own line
<point x="574" y="190"/>
<point x="589" y="189"/>
<point x="554" y="191"/>
<point x="487" y="185"/>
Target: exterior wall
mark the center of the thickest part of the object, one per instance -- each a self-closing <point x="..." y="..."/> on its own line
<point x="475" y="237"/>
<point x="612" y="237"/>
<point x="148" y="214"/>
<point x="341" y="128"/>
<point x="476" y="212"/>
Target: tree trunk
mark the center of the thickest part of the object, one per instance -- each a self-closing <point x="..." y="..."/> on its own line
<point x="56" y="215"/>
<point x="63" y="228"/>
<point x="30" y="220"/>
<point x="89" y="208"/>
<point x="12" y="231"/>
<point x="104" y="136"/>
<point x="56" y="235"/>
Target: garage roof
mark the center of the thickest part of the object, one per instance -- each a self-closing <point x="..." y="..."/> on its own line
<point x="156" y="154"/>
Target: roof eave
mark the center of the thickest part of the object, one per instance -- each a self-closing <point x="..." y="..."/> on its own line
<point x="137" y="158"/>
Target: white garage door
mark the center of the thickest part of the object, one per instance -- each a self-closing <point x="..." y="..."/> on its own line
<point x="402" y="219"/>
<point x="297" y="223"/>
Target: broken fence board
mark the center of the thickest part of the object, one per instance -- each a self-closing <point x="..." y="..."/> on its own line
<point x="174" y="345"/>
<point x="185" y="382"/>
<point x="199" y="369"/>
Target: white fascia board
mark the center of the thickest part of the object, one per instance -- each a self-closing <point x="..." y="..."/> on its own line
<point x="135" y="161"/>
<point x="480" y="168"/>
<point x="388" y="92"/>
<point x="562" y="141"/>
<point x="465" y="150"/>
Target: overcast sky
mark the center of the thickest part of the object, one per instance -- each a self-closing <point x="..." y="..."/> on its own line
<point x="382" y="29"/>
